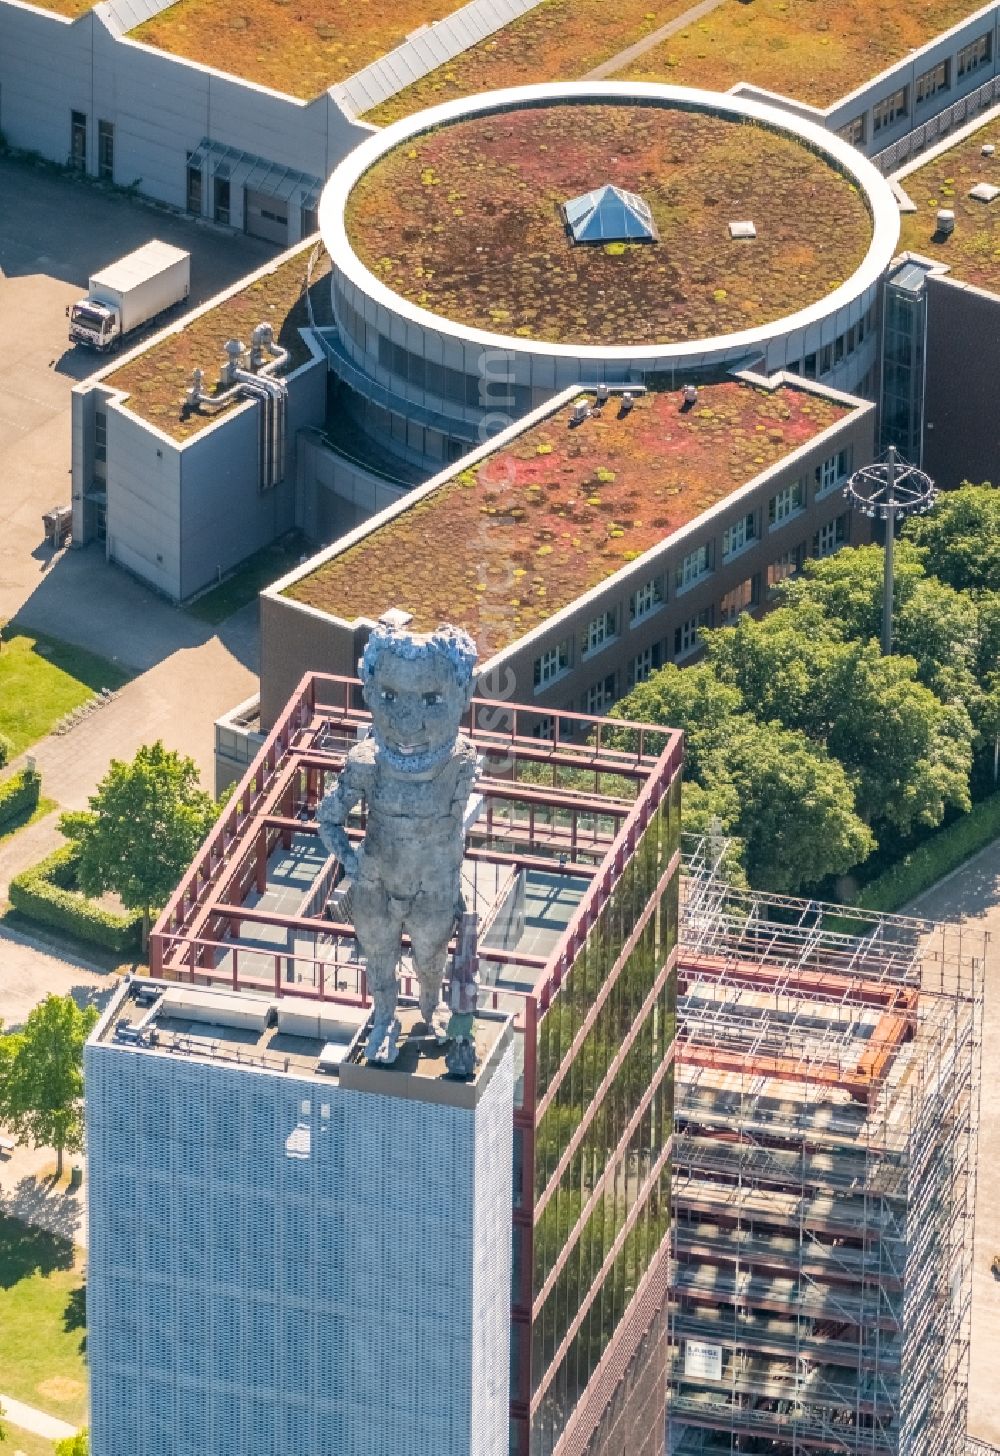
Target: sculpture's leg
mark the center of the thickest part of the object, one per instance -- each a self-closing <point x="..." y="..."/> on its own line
<point x="379" y="926"/>
<point x="430" y="923"/>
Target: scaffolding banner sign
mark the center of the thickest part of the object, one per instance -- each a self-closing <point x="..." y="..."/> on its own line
<point x="702" y="1360"/>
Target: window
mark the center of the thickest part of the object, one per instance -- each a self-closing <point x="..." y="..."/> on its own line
<point x="686" y="635"/>
<point x="694" y="566"/>
<point x="854" y="131"/>
<point x="309" y="221"/>
<point x="221" y="207"/>
<point x="826" y="359"/>
<point x="100" y="435"/>
<point x="598" y="699"/>
<point x="838" y="349"/>
<point x="78" y="140"/>
<point x="599" y="630"/>
<point x="932" y="81"/>
<point x="786" y="565"/>
<point x="106" y="151"/>
<point x="831" y="536"/>
<point x="552" y="663"/>
<point x="786" y="503"/>
<point x="739" y="600"/>
<point x="888" y="112"/>
<point x="645" y="600"/>
<point x="809" y="366"/>
<point x="643" y="664"/>
<point x="542" y="728"/>
<point x="738" y="535"/>
<point x="832" y="472"/>
<point x="971" y="57"/>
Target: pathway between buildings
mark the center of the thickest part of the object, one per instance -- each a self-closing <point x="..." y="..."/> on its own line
<point x="30" y="1419"/>
<point x="633" y="52"/>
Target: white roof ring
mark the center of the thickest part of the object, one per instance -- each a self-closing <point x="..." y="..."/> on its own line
<point x="840" y="154"/>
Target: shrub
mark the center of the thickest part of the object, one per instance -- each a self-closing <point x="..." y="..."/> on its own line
<point x="5" y="749"/>
<point x="935" y="858"/>
<point x="19" y="795"/>
<point x="47" y="893"/>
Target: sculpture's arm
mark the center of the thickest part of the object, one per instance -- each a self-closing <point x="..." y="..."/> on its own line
<point x="333" y="814"/>
<point x="468" y="772"/>
<point x="466" y="777"/>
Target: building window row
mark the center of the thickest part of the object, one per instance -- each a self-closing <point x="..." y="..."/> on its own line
<point x="932" y="82"/>
<point x="890" y="109"/>
<point x="739" y="535"/>
<point x="937" y="79"/>
<point x="832" y="355"/>
<point x="978" y="53"/>
<point x="685" y="638"/>
<point x="416" y="439"/>
<point x="786" y="503"/>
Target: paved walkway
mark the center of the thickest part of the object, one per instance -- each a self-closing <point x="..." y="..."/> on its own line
<point x="633" y="52"/>
<point x="972" y="894"/>
<point x="30" y="1419"/>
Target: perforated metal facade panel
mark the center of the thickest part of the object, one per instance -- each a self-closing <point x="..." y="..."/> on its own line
<point x="278" y="1265"/>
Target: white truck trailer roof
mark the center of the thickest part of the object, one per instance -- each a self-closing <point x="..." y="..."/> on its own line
<point x="152" y="258"/>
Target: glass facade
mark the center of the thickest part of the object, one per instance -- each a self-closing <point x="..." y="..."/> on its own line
<point x="904" y="330"/>
<point x="604" y="1086"/>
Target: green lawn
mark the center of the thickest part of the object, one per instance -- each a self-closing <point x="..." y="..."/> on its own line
<point x="43" y="679"/>
<point x="26" y="1443"/>
<point x="43" y="807"/>
<point x="42" y="1322"/>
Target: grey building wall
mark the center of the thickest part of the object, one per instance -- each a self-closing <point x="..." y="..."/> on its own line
<point x="336" y="494"/>
<point x="961" y="420"/>
<point x="225" y="516"/>
<point x="161" y="107"/>
<point x="180" y="514"/>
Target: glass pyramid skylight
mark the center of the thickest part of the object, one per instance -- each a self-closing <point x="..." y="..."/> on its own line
<point x="609" y="215"/>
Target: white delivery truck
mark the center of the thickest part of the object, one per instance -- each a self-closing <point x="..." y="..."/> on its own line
<point x="129" y="293"/>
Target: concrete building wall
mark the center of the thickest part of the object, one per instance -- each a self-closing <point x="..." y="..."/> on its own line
<point x="225" y="516"/>
<point x="161" y="107"/>
<point x="335" y="494"/>
<point x="961" y="421"/>
<point x="144" y="502"/>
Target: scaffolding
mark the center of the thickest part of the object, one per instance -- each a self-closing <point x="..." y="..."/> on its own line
<point x="826" y="1106"/>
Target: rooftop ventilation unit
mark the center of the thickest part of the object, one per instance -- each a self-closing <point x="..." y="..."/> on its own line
<point x="984" y="192"/>
<point x="609" y="215"/>
<point x="742" y="230"/>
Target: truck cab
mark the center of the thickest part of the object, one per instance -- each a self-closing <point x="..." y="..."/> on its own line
<point x="96" y="324"/>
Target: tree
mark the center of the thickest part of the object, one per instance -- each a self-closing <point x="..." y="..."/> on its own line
<point x="690" y="698"/>
<point x="797" y="816"/>
<point x="146" y="820"/>
<point x="77" y="1445"/>
<point x="960" y="537"/>
<point x="847" y="587"/>
<point x="43" y="1081"/>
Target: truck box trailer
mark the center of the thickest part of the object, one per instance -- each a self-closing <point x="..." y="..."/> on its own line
<point x="127" y="294"/>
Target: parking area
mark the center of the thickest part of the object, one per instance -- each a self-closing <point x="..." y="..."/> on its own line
<point x="55" y="231"/>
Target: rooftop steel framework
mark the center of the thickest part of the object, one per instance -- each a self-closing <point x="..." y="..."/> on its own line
<point x="826" y="1117"/>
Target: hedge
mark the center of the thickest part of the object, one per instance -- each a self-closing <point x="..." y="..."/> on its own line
<point x="47" y="893"/>
<point x="19" y="795"/>
<point x="934" y="859"/>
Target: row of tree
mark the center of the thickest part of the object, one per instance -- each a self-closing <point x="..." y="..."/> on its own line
<point x="807" y="744"/>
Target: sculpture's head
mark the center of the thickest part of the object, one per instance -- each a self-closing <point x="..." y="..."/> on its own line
<point x="417" y="685"/>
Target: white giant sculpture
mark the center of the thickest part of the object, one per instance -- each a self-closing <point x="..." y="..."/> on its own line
<point x="415" y="773"/>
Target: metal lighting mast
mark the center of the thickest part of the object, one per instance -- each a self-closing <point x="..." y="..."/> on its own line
<point x="889" y="489"/>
